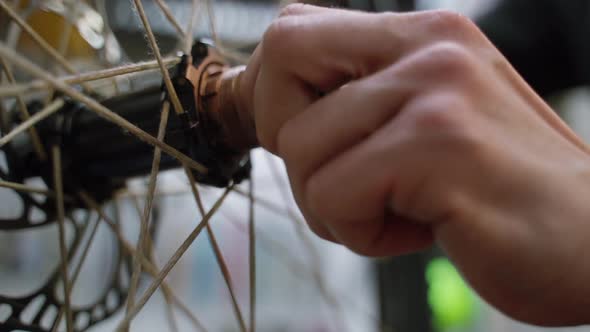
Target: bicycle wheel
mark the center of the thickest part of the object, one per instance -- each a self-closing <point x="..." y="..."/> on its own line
<point x="103" y="172"/>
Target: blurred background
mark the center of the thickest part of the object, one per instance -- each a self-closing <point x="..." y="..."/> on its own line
<point x="304" y="284"/>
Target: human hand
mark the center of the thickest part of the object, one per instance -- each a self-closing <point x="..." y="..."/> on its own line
<point x="401" y="129"/>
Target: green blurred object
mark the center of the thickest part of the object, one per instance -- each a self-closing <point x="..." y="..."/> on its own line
<point x="453" y="303"/>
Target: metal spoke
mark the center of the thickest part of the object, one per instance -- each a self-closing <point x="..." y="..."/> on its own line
<point x="32" y="121"/>
<point x="22" y="106"/>
<point x="146" y="264"/>
<point x="172" y="262"/>
<point x="226" y="277"/>
<point x="37" y="85"/>
<point x="184" y="308"/>
<point x="144" y="258"/>
<point x="78" y="269"/>
<point x="230" y="54"/>
<point x="3" y="125"/>
<point x="168" y="14"/>
<point x="195" y="191"/>
<point x="170" y="314"/>
<point x="268" y="204"/>
<point x="275" y="248"/>
<point x="32" y="190"/>
<point x="170" y="317"/>
<point x="163" y="192"/>
<point x="218" y="254"/>
<point x="24" y="188"/>
<point x="252" y="256"/>
<point x="144" y="228"/>
<point x="58" y="184"/>
<point x="188" y="35"/>
<point x="154" y="45"/>
<point x="153" y="259"/>
<point x="314" y="255"/>
<point x="212" y="25"/>
<point x="285" y="256"/>
<point x="38" y="39"/>
<point x="98" y="108"/>
<point x="68" y="28"/>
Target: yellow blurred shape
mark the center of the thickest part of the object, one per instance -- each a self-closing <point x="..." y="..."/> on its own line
<point x="52" y="27"/>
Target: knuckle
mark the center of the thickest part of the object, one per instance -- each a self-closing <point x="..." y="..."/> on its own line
<point x="452" y="60"/>
<point x="447" y="21"/>
<point x="387" y="19"/>
<point x="293" y="9"/>
<point x="447" y="120"/>
<point x="440" y="112"/>
<point x="279" y="35"/>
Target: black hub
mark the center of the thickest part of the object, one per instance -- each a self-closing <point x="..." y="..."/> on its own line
<point x="99" y="156"/>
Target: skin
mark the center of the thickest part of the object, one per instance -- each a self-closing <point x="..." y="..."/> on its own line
<point x="400" y="130"/>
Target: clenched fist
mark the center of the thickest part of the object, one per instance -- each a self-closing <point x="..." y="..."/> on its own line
<point x="398" y="130"/>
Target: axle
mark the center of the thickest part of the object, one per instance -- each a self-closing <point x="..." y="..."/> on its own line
<point x="99" y="156"/>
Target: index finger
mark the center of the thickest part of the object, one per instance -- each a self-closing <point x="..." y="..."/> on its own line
<point x="303" y="56"/>
<point x="306" y="56"/>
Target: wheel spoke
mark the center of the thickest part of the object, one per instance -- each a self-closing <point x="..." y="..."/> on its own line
<point x="314" y="255"/>
<point x="153" y="259"/>
<point x="195" y="190"/>
<point x="144" y="228"/>
<point x="170" y="317"/>
<point x="67" y="29"/>
<point x="184" y="308"/>
<point x="146" y="264"/>
<point x="284" y="255"/>
<point x="78" y="269"/>
<point x="172" y="262"/>
<point x="24" y="188"/>
<point x="52" y="52"/>
<point x="212" y="25"/>
<point x="252" y="256"/>
<point x="98" y="108"/>
<point x="32" y="121"/>
<point x="226" y="277"/>
<point x="170" y="17"/>
<point x="25" y="115"/>
<point x="58" y="184"/>
<point x="3" y="125"/>
<point x="275" y="248"/>
<point x="188" y="35"/>
<point x="163" y="192"/>
<point x="268" y="204"/>
<point x="142" y="253"/>
<point x="230" y="54"/>
<point x="217" y="252"/>
<point x="154" y="45"/>
<point x="37" y="85"/>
